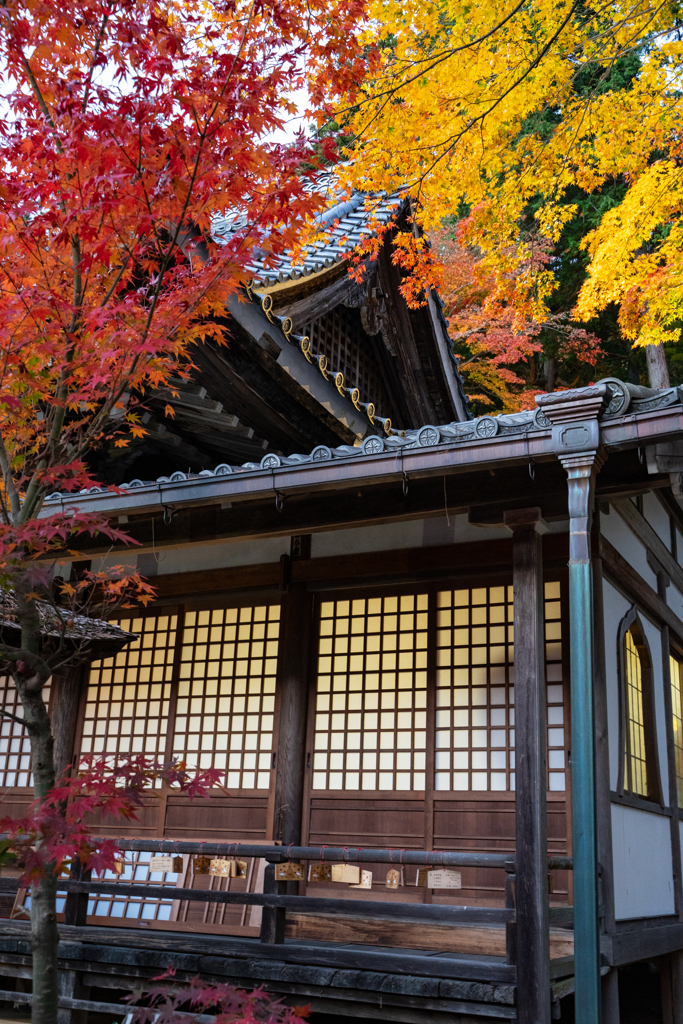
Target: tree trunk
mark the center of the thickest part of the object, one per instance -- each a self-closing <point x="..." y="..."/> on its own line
<point x="657" y="369"/>
<point x="44" y="934"/>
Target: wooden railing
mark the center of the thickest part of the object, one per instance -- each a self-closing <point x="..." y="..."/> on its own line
<point x="277" y="901"/>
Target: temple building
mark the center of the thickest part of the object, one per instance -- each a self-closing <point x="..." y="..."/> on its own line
<point x="443" y="651"/>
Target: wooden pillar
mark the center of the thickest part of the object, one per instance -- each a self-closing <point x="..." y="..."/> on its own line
<point x="531" y="840"/>
<point x="610" y="997"/>
<point x="671" y="973"/>
<point x="602" y="766"/>
<point x="295" y="639"/>
<point x="65" y="700"/>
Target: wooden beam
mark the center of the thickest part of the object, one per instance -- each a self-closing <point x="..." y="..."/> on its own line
<point x="644" y="532"/>
<point x="241" y="950"/>
<point x="642" y="943"/>
<point x="531" y="839"/>
<point x="411" y="563"/>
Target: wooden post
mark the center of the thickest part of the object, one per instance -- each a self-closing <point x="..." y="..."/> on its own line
<point x="293" y="697"/>
<point x="531" y="838"/>
<point x="65" y="702"/>
<point x="610" y="997"/>
<point x="273" y="919"/>
<point x="671" y="972"/>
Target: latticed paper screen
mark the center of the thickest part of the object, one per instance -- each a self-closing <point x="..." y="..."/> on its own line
<point x="475" y="714"/>
<point x="370" y="724"/>
<point x="475" y="696"/>
<point x="226" y="692"/>
<point x="15" y="745"/>
<point x="128" y="696"/>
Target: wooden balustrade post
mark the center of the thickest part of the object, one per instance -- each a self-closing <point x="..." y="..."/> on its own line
<point x="76" y="904"/>
<point x="273" y="919"/>
<point x="511" y="927"/>
<point x="531" y="842"/>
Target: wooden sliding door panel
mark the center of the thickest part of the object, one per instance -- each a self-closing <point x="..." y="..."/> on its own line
<point x="373" y="820"/>
<point x="456" y="687"/>
<point x="219" y="819"/>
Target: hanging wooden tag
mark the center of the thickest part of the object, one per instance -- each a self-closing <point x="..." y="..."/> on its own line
<point x="200" y="866"/>
<point x="321" y="873"/>
<point x="394" y="878"/>
<point x="160" y="862"/>
<point x="349" y="873"/>
<point x="290" y="872"/>
<point x="118" y="867"/>
<point x="222" y="867"/>
<point x="439" y="878"/>
<point x="365" y="881"/>
<point x="178" y="865"/>
<point x="240" y="869"/>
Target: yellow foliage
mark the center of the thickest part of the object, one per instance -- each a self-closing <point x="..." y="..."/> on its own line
<point x="479" y="103"/>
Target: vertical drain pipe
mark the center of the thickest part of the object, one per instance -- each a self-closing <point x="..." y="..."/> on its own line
<point x="576" y="441"/>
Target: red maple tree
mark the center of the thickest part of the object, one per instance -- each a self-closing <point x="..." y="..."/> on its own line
<point x="126" y="125"/>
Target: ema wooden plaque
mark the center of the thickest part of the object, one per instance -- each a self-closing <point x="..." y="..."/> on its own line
<point x="160" y="862"/>
<point x="321" y="873"/>
<point x="394" y="878"/>
<point x="290" y="871"/>
<point x="365" y="881"/>
<point x="222" y="867"/>
<point x="439" y="878"/>
<point x="200" y="866"/>
<point x="349" y="873"/>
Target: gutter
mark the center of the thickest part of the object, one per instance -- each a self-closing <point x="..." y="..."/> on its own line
<point x="348" y="467"/>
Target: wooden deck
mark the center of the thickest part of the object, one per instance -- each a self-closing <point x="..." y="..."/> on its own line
<point x="354" y="979"/>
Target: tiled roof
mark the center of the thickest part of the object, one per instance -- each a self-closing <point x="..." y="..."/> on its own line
<point x="78" y="629"/>
<point x="627" y="398"/>
<point x="344" y="224"/>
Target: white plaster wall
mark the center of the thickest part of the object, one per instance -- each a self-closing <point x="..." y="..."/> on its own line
<point x="643" y="869"/>
<point x="615" y="606"/>
<point x="221" y="555"/>
<point x="674" y="599"/>
<point x="658" y="518"/>
<point x="414" y="534"/>
<point x="654" y="639"/>
<point x="627" y="544"/>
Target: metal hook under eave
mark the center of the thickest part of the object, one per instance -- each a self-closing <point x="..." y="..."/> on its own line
<point x="169" y="512"/>
<point x="405" y="484"/>
<point x="532" y="470"/>
<point x="641" y="456"/>
<point x="279" y="501"/>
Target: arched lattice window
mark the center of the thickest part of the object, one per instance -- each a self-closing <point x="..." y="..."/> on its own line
<point x="639" y="771"/>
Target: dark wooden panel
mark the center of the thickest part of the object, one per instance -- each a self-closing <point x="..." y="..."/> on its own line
<point x="363" y="821"/>
<point x="217" y="818"/>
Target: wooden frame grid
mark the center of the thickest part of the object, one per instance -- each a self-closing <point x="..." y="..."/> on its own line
<point x="226" y="692"/>
<point x="471" y="727"/>
<point x="370" y="723"/>
<point x="15" y="744"/>
<point x="127" y="701"/>
<point x="336" y="335"/>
